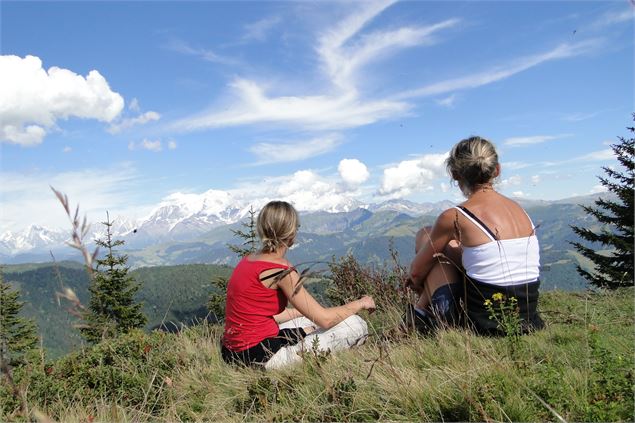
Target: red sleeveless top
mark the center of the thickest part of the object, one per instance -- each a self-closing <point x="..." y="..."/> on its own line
<point x="250" y="306"/>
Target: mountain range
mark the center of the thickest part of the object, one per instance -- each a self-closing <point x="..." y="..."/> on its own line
<point x="182" y="217"/>
<point x="198" y="228"/>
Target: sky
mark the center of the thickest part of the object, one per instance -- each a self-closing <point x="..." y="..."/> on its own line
<point x="128" y="105"/>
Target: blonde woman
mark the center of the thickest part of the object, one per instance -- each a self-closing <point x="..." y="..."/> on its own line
<point x="489" y="239"/>
<point x="259" y="329"/>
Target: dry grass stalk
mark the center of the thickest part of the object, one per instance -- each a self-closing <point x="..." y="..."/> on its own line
<point x="79" y="232"/>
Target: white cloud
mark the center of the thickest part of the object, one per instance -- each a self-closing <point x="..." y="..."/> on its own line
<point x="578" y="117"/>
<point x="511" y="181"/>
<point x="535" y="139"/>
<point x="254" y="106"/>
<point x="67" y="149"/>
<point x="514" y="165"/>
<point x="134" y="105"/>
<point x="182" y="47"/>
<point x="411" y="176"/>
<point x="598" y="189"/>
<point x="339" y="106"/>
<point x="290" y="152"/>
<point x="600" y="155"/>
<point x="32" y="99"/>
<point x="520" y="194"/>
<point x="613" y="17"/>
<point x="306" y="189"/>
<point x="501" y="72"/>
<point x="259" y="30"/>
<point x="27" y="199"/>
<point x="172" y="145"/>
<point x="447" y="101"/>
<point x="146" y="144"/>
<point x="353" y="172"/>
<point x="535" y="179"/>
<point x="127" y="123"/>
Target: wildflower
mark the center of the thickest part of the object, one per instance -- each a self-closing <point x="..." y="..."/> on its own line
<point x="497" y="296"/>
<point x="488" y="302"/>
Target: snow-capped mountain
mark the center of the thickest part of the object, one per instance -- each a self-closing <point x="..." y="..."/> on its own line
<point x="33" y="237"/>
<point x="410" y="208"/>
<point x="178" y="217"/>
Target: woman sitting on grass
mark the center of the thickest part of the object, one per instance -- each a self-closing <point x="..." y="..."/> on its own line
<point x="257" y="323"/>
<point x="494" y="239"/>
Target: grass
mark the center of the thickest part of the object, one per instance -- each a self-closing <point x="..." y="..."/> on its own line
<point x="580" y="368"/>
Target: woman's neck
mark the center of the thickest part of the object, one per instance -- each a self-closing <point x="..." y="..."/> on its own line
<point x="482" y="188"/>
<point x="278" y="254"/>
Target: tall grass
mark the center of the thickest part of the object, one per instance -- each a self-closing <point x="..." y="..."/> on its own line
<point x="579" y="368"/>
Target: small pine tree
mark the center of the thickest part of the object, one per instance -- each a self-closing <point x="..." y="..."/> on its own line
<point x="615" y="269"/>
<point x="248" y="235"/>
<point x="18" y="335"/>
<point x="112" y="309"/>
<point x="216" y="302"/>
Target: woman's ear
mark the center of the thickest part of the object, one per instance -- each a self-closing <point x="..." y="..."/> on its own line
<point x="497" y="172"/>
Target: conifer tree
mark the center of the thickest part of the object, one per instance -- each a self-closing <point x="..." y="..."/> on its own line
<point x="615" y="268"/>
<point x="248" y="235"/>
<point x="18" y="335"/>
<point x="112" y="309"/>
<point x="216" y="302"/>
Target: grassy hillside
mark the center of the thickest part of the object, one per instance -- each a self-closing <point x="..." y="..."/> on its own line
<point x="580" y="368"/>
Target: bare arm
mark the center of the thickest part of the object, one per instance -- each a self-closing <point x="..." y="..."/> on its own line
<point x="324" y="317"/>
<point x="431" y="243"/>
<point x="288" y="314"/>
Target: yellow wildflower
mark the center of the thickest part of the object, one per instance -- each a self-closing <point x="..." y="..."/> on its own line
<point x="488" y="302"/>
<point x="497" y="296"/>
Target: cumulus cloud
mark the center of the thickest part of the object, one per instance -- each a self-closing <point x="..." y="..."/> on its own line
<point x="535" y="179"/>
<point x="520" y="194"/>
<point x="172" y="145"/>
<point x="411" y="176"/>
<point x="67" y="149"/>
<point x="511" y="181"/>
<point x="269" y="153"/>
<point x="598" y="189"/>
<point x="33" y="99"/>
<point x="127" y="123"/>
<point x="353" y="172"/>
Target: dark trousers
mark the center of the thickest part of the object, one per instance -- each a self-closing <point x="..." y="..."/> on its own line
<point x="262" y="352"/>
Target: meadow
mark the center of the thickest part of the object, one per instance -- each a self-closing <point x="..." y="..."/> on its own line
<point x="580" y="368"/>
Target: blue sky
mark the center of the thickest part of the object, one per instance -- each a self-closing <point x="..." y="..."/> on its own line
<point x="127" y="105"/>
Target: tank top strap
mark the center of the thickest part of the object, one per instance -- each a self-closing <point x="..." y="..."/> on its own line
<point x="482" y="226"/>
<point x="533" y="227"/>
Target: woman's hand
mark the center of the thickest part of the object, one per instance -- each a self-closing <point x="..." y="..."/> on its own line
<point x="367" y="303"/>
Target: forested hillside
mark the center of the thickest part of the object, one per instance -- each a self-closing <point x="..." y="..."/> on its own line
<point x="170" y="294"/>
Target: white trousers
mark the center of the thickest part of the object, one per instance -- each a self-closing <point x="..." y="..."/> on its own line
<point x="346" y="334"/>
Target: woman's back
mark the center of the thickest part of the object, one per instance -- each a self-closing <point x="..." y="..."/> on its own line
<point x="504" y="217"/>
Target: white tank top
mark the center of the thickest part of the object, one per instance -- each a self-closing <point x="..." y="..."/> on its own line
<point x="501" y="262"/>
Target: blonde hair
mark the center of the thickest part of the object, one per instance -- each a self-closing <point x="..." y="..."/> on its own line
<point x="472" y="162"/>
<point x="277" y="226"/>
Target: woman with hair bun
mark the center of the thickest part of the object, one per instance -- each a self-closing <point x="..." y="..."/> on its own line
<point x="259" y="329"/>
<point x="488" y="240"/>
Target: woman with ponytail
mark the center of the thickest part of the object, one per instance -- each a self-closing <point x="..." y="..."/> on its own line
<point x="259" y="329"/>
<point x="481" y="252"/>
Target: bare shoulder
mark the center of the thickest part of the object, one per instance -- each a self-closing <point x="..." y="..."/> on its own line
<point x="447" y="217"/>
